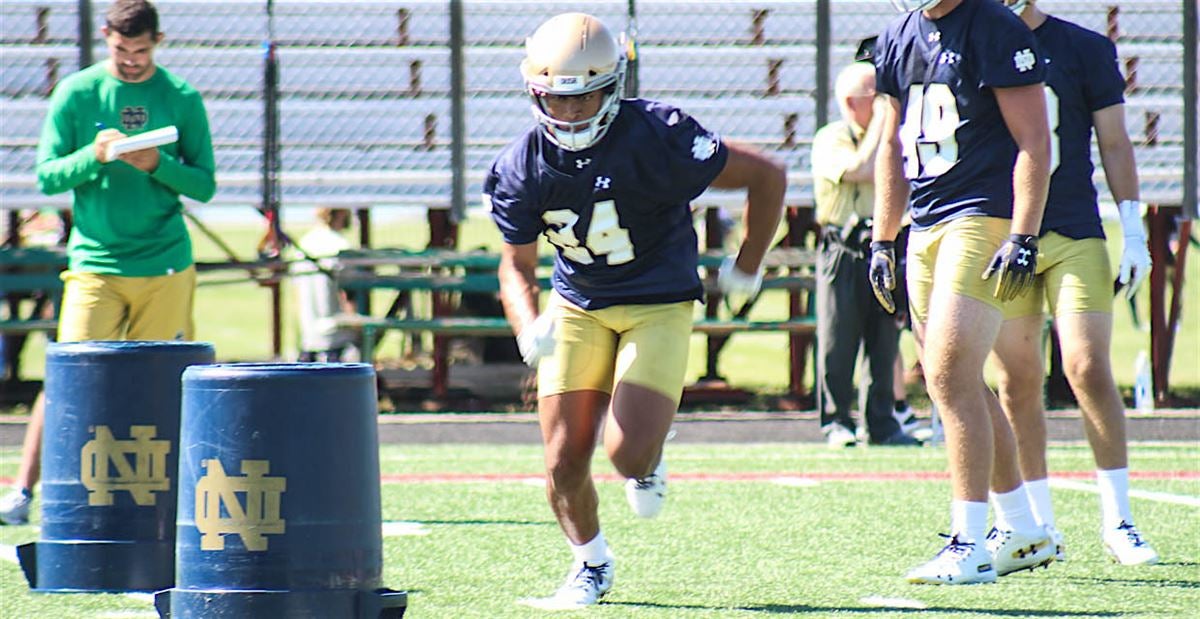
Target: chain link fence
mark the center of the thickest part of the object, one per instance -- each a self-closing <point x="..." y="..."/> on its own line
<point x="365" y="87"/>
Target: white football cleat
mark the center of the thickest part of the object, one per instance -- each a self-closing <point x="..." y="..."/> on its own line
<point x="1060" y="547"/>
<point x="14" y="507"/>
<point x="1126" y="546"/>
<point x="959" y="563"/>
<point x="647" y="495"/>
<point x="1013" y="551"/>
<point x="585" y="585"/>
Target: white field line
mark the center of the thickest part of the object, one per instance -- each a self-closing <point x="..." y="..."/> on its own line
<point x="1149" y="495"/>
<point x="8" y="553"/>
<point x="399" y="528"/>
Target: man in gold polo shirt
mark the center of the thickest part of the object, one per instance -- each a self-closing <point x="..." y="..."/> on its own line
<point x="843" y="163"/>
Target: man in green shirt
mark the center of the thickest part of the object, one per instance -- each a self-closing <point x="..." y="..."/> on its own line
<point x="130" y="272"/>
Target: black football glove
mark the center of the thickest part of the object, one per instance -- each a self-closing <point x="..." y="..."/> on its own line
<point x="882" y="273"/>
<point x="1016" y="262"/>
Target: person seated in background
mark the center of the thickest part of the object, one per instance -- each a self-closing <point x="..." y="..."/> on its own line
<point x="318" y="298"/>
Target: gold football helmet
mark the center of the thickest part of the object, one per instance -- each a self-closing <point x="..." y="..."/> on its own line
<point x="574" y="54"/>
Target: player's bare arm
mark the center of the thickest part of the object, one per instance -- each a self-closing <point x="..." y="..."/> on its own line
<point x="1024" y="111"/>
<point x="1120" y="168"/>
<point x="891" y="189"/>
<point x="518" y="284"/>
<point x="1116" y="152"/>
<point x="766" y="182"/>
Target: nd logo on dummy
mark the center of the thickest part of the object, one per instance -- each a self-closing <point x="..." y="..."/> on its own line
<point x="137" y="465"/>
<point x="250" y="502"/>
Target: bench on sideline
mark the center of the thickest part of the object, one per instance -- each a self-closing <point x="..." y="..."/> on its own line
<point x="444" y="275"/>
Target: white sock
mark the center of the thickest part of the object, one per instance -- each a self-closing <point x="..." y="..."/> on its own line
<point x="1039" y="501"/>
<point x="1012" y="509"/>
<point x="594" y="552"/>
<point x="968" y="520"/>
<point x="998" y="520"/>
<point x="1114" y="497"/>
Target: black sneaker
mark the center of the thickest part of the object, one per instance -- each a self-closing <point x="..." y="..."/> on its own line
<point x="899" y="439"/>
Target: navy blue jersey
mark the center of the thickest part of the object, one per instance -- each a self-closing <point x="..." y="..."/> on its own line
<point x="618" y="213"/>
<point x="958" y="153"/>
<point x="1082" y="77"/>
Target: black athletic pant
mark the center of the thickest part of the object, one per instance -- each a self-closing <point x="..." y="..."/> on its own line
<point x="849" y="316"/>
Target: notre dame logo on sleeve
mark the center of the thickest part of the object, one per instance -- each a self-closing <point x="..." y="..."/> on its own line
<point x="105" y="466"/>
<point x="250" y="502"/>
<point x="134" y="117"/>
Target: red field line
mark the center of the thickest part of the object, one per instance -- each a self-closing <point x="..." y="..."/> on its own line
<point x="412" y="478"/>
<point x="448" y="478"/>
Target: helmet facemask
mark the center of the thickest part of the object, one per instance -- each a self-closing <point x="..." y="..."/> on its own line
<point x="1016" y="6"/>
<point x="574" y="54"/>
<point x="908" y="6"/>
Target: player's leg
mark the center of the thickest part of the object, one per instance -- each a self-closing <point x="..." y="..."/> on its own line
<point x="960" y="320"/>
<point x="1020" y="367"/>
<point x="1017" y="540"/>
<point x="1018" y="358"/>
<point x="1081" y="300"/>
<point x="14" y="505"/>
<point x="161" y="307"/>
<point x="93" y="308"/>
<point x="573" y="386"/>
<point x="651" y="362"/>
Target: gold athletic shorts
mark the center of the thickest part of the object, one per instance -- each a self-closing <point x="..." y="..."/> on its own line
<point x="646" y="345"/>
<point x="111" y="307"/>
<point x="1074" y="275"/>
<point x="957" y="252"/>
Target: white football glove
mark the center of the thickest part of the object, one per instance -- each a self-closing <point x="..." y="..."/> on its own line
<point x="731" y="280"/>
<point x="536" y="340"/>
<point x="1135" y="256"/>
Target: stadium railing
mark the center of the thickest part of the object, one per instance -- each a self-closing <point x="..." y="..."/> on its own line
<point x="444" y="275"/>
<point x="30" y="290"/>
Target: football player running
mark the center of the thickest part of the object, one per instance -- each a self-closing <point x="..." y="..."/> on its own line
<point x="966" y="128"/>
<point x="608" y="182"/>
<point x="1084" y="90"/>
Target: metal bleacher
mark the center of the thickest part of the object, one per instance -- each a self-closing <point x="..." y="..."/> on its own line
<point x="365" y="86"/>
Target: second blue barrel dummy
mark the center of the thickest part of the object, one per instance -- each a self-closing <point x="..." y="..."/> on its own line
<point x="279" y="501"/>
<point x="110" y="449"/>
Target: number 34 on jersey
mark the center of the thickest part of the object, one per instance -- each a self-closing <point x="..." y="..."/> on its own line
<point x="604" y="237"/>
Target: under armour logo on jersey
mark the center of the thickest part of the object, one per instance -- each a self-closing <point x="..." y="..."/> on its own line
<point x="949" y="57"/>
<point x="934" y="36"/>
<point x="1023" y="257"/>
<point x="1024" y="60"/>
<point x="603" y="182"/>
<point x="582" y="163"/>
<point x="703" y="147"/>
